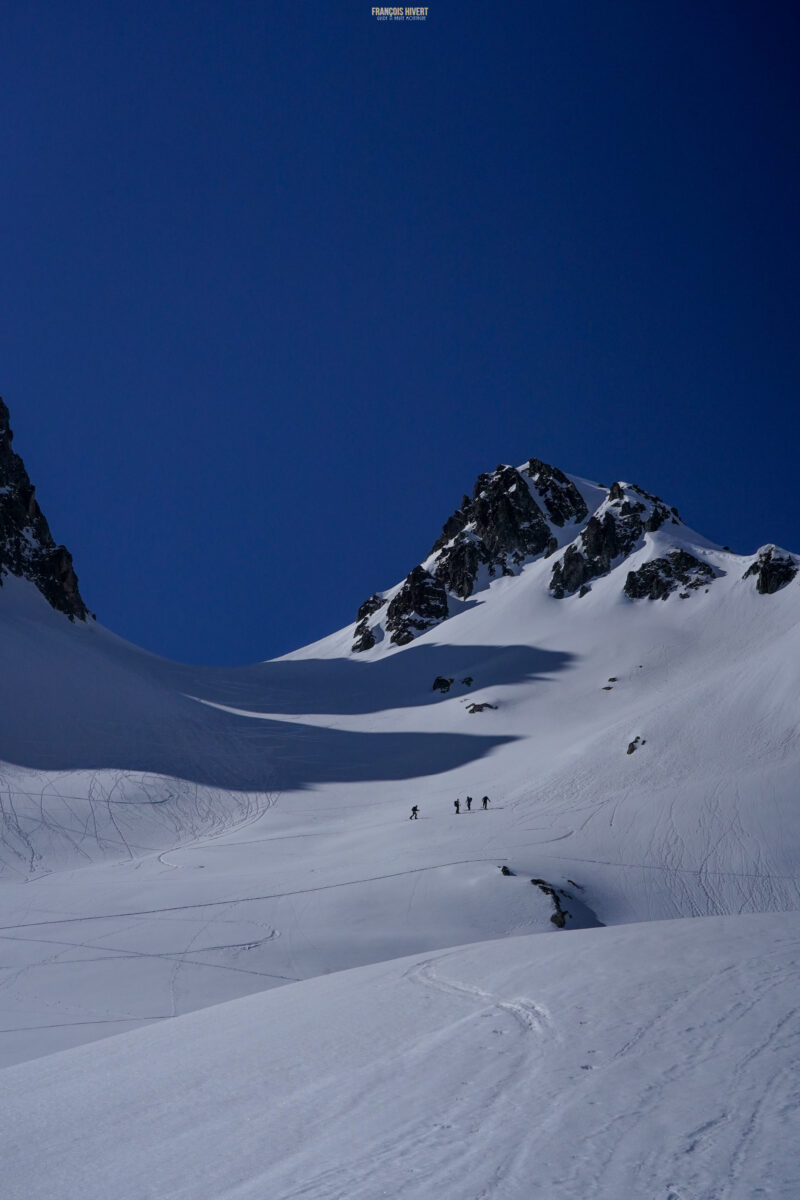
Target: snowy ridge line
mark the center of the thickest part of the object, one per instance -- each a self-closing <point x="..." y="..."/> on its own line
<point x="326" y="887"/>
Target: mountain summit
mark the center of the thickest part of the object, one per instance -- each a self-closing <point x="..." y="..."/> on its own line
<point x="27" y="547"/>
<point x="517" y="516"/>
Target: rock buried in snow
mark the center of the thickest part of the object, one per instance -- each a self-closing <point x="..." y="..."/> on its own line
<point x="442" y="684"/>
<point x="560" y="916"/>
<point x="476" y="708"/>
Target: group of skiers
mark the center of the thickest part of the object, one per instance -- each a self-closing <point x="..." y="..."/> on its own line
<point x="456" y="804"/>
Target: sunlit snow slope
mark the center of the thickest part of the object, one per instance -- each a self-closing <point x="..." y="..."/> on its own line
<point x="175" y="837"/>
<point x="655" y="1061"/>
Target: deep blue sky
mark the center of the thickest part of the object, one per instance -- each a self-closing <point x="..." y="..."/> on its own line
<point x="279" y="280"/>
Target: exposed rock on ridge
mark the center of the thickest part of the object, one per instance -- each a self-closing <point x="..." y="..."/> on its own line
<point x="365" y="638"/>
<point x="27" y="547"/>
<point x="611" y="533"/>
<point x="507" y="521"/>
<point x="518" y="515"/>
<point x="502" y="524"/>
<point x="561" y="498"/>
<point x="656" y="579"/>
<point x="772" y="569"/>
<point x="420" y="604"/>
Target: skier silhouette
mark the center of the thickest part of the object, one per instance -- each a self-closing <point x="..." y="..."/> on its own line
<point x="469" y="803"/>
<point x="457" y="806"/>
<point x="485" y="801"/>
<point x="414" y="813"/>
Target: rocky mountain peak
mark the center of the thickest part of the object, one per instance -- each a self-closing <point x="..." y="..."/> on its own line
<point x="27" y="547"/>
<point x="612" y="533"/>
<point x="512" y="516"/>
<point x="518" y="515"/>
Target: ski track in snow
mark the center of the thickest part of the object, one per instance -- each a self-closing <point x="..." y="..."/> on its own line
<point x="529" y="1016"/>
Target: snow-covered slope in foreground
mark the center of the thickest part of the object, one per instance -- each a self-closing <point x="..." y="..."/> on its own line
<point x="655" y="1061"/>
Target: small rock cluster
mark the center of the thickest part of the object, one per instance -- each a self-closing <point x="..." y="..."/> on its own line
<point x="443" y="683"/>
<point x="655" y="580"/>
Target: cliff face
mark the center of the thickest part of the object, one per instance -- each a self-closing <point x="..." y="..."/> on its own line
<point x="27" y="547"/>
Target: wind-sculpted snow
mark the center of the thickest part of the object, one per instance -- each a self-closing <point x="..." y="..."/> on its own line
<point x="654" y="1060"/>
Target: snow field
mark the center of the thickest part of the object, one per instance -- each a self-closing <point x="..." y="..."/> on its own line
<point x="650" y="1060"/>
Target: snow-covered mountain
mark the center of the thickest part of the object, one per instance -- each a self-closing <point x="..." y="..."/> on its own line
<point x="625" y="694"/>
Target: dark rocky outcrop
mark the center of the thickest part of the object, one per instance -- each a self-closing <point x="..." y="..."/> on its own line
<point x="371" y="605"/>
<point x="479" y="708"/>
<point x="442" y="684"/>
<point x="27" y="547"/>
<point x="561" y="498"/>
<point x="365" y="639"/>
<point x="459" y="565"/>
<point x="772" y="570"/>
<point x="420" y="604"/>
<point x="570" y="573"/>
<point x="560" y="916"/>
<point x="655" y="580"/>
<point x="454" y="524"/>
<point x="495" y="530"/>
<point x="629" y="513"/>
<point x="500" y="526"/>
